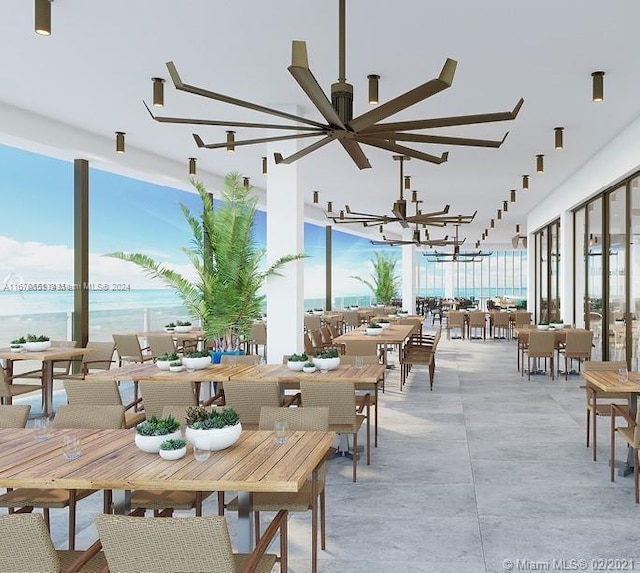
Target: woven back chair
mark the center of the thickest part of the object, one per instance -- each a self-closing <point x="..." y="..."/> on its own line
<point x="259" y="337"/>
<point x="312" y="322"/>
<point x="344" y="417"/>
<point x="599" y="403"/>
<point x="129" y="349"/>
<point x="25" y="545"/>
<point x="14" y="416"/>
<point x="351" y="319"/>
<point x="100" y="358"/>
<point x="630" y="434"/>
<point x="578" y="346"/>
<point x="500" y="323"/>
<point x="157" y="395"/>
<point x="455" y="320"/>
<point x="100" y="393"/>
<point x="9" y="389"/>
<point x="542" y="344"/>
<point x="477" y="320"/>
<point x="252" y="359"/>
<point x="98" y="417"/>
<point x="360" y="348"/>
<point x="182" y="544"/>
<point x="160" y="344"/>
<point x="246" y="397"/>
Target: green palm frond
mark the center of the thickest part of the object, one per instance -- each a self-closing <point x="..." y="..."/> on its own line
<point x="384" y="284"/>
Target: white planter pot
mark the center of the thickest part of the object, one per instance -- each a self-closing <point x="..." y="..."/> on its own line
<point x="17" y="348"/>
<point x="37" y="346"/>
<point x="309" y="369"/>
<point x="543" y="327"/>
<point x="327" y="363"/>
<point x="295" y="366"/>
<point x="177" y="368"/>
<point x="374" y="331"/>
<point x="163" y="364"/>
<point x="196" y="363"/>
<point x="183" y="328"/>
<point x="318" y="312"/>
<point x="384" y="325"/>
<point x="214" y="440"/>
<point x="151" y="444"/>
<point x="173" y="454"/>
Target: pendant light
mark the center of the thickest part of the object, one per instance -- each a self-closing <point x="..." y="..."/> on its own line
<point x="120" y="141"/>
<point x="513" y="195"/>
<point x="559" y="137"/>
<point x="245" y="182"/>
<point x="42" y="18"/>
<point x="373" y="88"/>
<point x="264" y="165"/>
<point x="192" y="165"/>
<point x="499" y="214"/>
<point x="329" y="206"/>
<point x="540" y="163"/>
<point x="231" y="139"/>
<point x="315" y="197"/>
<point x="158" y="92"/>
<point x="505" y="206"/>
<point x="525" y="182"/>
<point x="598" y="86"/>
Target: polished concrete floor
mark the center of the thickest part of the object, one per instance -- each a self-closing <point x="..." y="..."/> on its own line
<point x="486" y="473"/>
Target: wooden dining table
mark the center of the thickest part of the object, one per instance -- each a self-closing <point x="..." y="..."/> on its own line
<point x="47" y="357"/>
<point x="110" y="460"/>
<point x="395" y="335"/>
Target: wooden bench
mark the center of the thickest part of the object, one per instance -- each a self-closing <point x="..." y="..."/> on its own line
<point x="421" y="349"/>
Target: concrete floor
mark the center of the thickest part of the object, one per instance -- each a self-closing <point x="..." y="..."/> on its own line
<point x="487" y="473"/>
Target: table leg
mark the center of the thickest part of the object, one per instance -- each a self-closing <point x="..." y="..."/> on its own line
<point x="121" y="501"/>
<point x="627" y="468"/>
<point x="245" y="522"/>
<point x="47" y="382"/>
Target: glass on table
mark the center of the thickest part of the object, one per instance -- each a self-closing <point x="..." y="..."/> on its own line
<point x="71" y="446"/>
<point x="281" y="431"/>
<point x="201" y="450"/>
<point x="42" y="428"/>
<point x="623" y="375"/>
<point x="359" y="361"/>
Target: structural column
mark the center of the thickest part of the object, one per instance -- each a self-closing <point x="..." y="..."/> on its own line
<point x="567" y="273"/>
<point x="285" y="236"/>
<point x="328" y="263"/>
<point x="81" y="251"/>
<point x="409" y="278"/>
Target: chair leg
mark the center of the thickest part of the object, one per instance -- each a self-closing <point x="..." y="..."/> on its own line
<point x="220" y="503"/>
<point x="375" y="419"/>
<point x="588" y="425"/>
<point x="594" y="433"/>
<point x="72" y="519"/>
<point x="323" y="528"/>
<point x="314" y="527"/>
<point x="198" y="504"/>
<point x="368" y="437"/>
<point x="612" y="461"/>
<point x="256" y="525"/>
<point x="355" y="454"/>
<point x="636" y="473"/>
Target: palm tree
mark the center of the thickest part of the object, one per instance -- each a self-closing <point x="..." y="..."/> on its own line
<point x="225" y="294"/>
<point x="385" y="284"/>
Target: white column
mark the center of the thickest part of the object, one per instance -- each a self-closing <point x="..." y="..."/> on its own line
<point x="409" y="277"/>
<point x="448" y="274"/>
<point x="566" y="268"/>
<point x="285" y="236"/>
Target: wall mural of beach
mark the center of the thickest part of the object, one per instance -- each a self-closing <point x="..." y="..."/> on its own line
<point x="36" y="251"/>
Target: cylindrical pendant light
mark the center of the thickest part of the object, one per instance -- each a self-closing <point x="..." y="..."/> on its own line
<point x="158" y="92"/>
<point x="499" y="214"/>
<point x="341" y="215"/>
<point x="525" y="182"/>
<point x="540" y="163"/>
<point x="245" y="182"/>
<point x="329" y="206"/>
<point x="493" y="224"/>
<point x="192" y="165"/>
<point x="231" y="139"/>
<point x="513" y="195"/>
<point x="43" y="17"/>
<point x="120" y="141"/>
<point x="517" y="228"/>
<point x="381" y="228"/>
<point x="414" y="196"/>
<point x="598" y="86"/>
<point x="559" y="137"/>
<point x="407" y="182"/>
<point x="505" y="206"/>
<point x="315" y="197"/>
<point x="264" y="165"/>
<point x="373" y="88"/>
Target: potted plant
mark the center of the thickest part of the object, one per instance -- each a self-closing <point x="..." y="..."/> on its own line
<point x="164" y="360"/>
<point x="543" y="325"/>
<point x="183" y="326"/>
<point x="17" y="345"/>
<point x="318" y="311"/>
<point x="37" y="343"/>
<point x="171" y="327"/>
<point x="176" y="366"/>
<point x="373" y="329"/>
<point x="196" y="360"/>
<point x="229" y="268"/>
<point x="212" y="429"/>
<point x="327" y="359"/>
<point x="173" y="449"/>
<point x="384" y="284"/>
<point x="309" y="367"/>
<point x="383" y="322"/>
<point x="296" y="362"/>
<point x="153" y="431"/>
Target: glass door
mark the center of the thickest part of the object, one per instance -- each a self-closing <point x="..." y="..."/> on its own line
<point x="617" y="315"/>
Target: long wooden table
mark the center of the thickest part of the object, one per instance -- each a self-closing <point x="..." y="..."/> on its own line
<point x="136" y="372"/>
<point x="47" y="357"/>
<point x="110" y="460"/>
<point x="395" y="335"/>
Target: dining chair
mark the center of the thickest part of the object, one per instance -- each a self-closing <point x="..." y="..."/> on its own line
<point x="595" y="407"/>
<point x="100" y="357"/>
<point x="477" y="320"/>
<point x="631" y="435"/>
<point x="101" y="393"/>
<point x="160" y="344"/>
<point x="25" y="545"/>
<point x="251" y="359"/>
<point x="312" y="322"/>
<point x="344" y="416"/>
<point x="24" y="500"/>
<point x="306" y="419"/>
<point x="419" y="350"/>
<point x="9" y="389"/>
<point x="542" y="344"/>
<point x="259" y="337"/>
<point x="14" y="416"/>
<point x="455" y="320"/>
<point x="157" y="395"/>
<point x="129" y="351"/>
<point x="350" y="319"/>
<point x="578" y="347"/>
<point x="185" y="544"/>
<point x="500" y="322"/>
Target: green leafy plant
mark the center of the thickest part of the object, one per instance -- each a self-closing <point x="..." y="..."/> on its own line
<point x="175" y="363"/>
<point x="183" y="323"/>
<point x="328" y="353"/>
<point x="35" y="338"/>
<point x="197" y="354"/>
<point x="170" y="325"/>
<point x="298" y="357"/>
<point x="168" y="357"/>
<point x="154" y="426"/>
<point x="201" y="418"/>
<point x="20" y="340"/>
<point x="225" y="295"/>
<point x="309" y="365"/>
<point x="373" y="325"/>
<point x="382" y="321"/>
<point x="173" y="444"/>
<point x="384" y="284"/>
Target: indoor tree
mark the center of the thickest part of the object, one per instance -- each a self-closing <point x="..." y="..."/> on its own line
<point x="384" y="284"/>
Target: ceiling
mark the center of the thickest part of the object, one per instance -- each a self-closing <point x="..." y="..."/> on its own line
<point x="95" y="70"/>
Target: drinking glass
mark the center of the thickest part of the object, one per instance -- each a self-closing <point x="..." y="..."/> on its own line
<point x="281" y="430"/>
<point x="623" y="375"/>
<point x="42" y="428"/>
<point x="200" y="452"/>
<point x="359" y="362"/>
<point x="260" y="365"/>
<point x="71" y="446"/>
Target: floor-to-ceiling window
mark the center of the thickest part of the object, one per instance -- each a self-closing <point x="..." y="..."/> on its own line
<point x="616" y="260"/>
<point x="547" y="272"/>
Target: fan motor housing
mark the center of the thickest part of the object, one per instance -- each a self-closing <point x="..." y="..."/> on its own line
<point x="342" y="100"/>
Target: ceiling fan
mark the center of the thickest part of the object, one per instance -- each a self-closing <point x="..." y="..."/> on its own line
<point x="417" y="241"/>
<point x="399" y="210"/>
<point x="339" y="123"/>
<point x="459" y="256"/>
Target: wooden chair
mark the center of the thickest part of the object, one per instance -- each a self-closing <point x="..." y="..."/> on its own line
<point x="500" y="325"/>
<point x="25" y="545"/>
<point x="594" y="396"/>
<point x="477" y="321"/>
<point x="160" y="344"/>
<point x="455" y="319"/>
<point x="129" y="350"/>
<point x="258" y="338"/>
<point x="578" y="346"/>
<point x="101" y="393"/>
<point x="312" y="322"/>
<point x="14" y="416"/>
<point x="157" y="395"/>
<point x="77" y="417"/>
<point x="303" y="500"/>
<point x="184" y="544"/>
<point x="344" y="417"/>
<point x="350" y="319"/>
<point x="419" y="350"/>
<point x="541" y="345"/>
<point x="631" y="435"/>
<point x="100" y="358"/>
<point x="9" y="389"/>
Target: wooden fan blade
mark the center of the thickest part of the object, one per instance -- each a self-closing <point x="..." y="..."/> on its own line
<point x="355" y="152"/>
<point x="389" y="146"/>
<point x="192" y="121"/>
<point x="300" y="71"/>
<point x="305" y="151"/>
<point x="407" y="99"/>
<point x="426" y="216"/>
<point x="239" y="142"/>
<point x="445" y="121"/>
<point x="178" y="83"/>
<point x="441" y="139"/>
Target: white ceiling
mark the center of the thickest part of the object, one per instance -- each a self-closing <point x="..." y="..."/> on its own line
<point x="95" y="69"/>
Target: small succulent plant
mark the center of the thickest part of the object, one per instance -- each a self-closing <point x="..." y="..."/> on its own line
<point x="158" y="426"/>
<point x="173" y="444"/>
